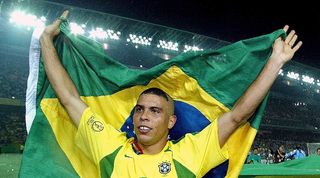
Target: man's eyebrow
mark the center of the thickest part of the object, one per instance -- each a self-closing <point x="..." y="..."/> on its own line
<point x="138" y="105"/>
<point x="152" y="107"/>
<point x="155" y="107"/>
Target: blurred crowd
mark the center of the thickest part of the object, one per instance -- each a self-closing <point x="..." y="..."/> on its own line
<point x="284" y="152"/>
<point x="12" y="126"/>
<point x="13" y="77"/>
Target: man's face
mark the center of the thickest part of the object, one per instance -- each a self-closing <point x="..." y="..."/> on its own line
<point x="152" y="119"/>
<point x="282" y="149"/>
<point x="318" y="151"/>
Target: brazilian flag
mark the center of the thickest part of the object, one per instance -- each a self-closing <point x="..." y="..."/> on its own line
<point x="203" y="84"/>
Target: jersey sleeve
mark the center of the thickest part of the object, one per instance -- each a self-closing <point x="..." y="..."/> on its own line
<point x="96" y="138"/>
<point x="200" y="152"/>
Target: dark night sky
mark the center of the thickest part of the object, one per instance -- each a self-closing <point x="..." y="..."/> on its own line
<point x="224" y="19"/>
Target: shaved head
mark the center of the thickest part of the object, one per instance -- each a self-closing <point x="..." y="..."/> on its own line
<point x="161" y="93"/>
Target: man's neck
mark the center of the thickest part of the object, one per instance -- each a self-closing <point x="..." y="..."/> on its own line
<point x="152" y="149"/>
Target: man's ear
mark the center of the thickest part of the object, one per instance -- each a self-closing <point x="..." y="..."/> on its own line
<point x="172" y="121"/>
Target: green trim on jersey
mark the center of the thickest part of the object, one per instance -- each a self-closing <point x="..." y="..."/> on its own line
<point x="107" y="164"/>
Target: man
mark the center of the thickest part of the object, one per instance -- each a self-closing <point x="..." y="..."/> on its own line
<point x="279" y="155"/>
<point x="296" y="153"/>
<point x="150" y="154"/>
<point x="318" y="151"/>
<point x="254" y="158"/>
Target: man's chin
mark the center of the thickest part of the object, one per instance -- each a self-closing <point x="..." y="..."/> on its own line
<point x="144" y="140"/>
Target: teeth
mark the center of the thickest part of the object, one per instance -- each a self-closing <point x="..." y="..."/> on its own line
<point x="144" y="128"/>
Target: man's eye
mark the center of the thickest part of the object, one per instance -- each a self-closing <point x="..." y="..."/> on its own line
<point x="155" y="110"/>
<point x="138" y="109"/>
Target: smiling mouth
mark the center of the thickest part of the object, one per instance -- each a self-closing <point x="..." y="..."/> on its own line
<point x="144" y="129"/>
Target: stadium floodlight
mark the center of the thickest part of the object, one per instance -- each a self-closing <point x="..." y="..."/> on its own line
<point x="99" y="33"/>
<point x="281" y="72"/>
<point x="76" y="29"/>
<point x="113" y="35"/>
<point x="307" y="79"/>
<point x="105" y="46"/>
<point x="43" y="18"/>
<point x="168" y="45"/>
<point x="288" y="83"/>
<point x="293" y="75"/>
<point x="141" y="40"/>
<point x="191" y="48"/>
<point x="29" y="20"/>
<point x="300" y="104"/>
<point x="166" y="57"/>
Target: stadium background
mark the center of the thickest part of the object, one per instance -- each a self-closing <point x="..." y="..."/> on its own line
<point x="291" y="118"/>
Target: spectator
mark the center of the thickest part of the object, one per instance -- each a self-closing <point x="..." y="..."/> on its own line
<point x="269" y="156"/>
<point x="296" y="153"/>
<point x="279" y="155"/>
<point x="254" y="157"/>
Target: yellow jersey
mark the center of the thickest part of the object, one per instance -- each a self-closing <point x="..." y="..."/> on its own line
<point x="191" y="156"/>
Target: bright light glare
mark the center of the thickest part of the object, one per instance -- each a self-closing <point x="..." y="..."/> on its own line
<point x="105" y="46"/>
<point x="139" y="39"/>
<point x="98" y="33"/>
<point x="168" y="45"/>
<point x="76" y="29"/>
<point x="293" y="75"/>
<point x="191" y="48"/>
<point x="24" y="19"/>
<point x="281" y="72"/>
<point x="307" y="79"/>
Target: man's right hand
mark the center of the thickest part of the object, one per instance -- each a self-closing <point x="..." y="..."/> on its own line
<point x="58" y="77"/>
<point x="53" y="29"/>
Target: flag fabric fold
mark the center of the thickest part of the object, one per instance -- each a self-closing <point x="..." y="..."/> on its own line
<point x="203" y="84"/>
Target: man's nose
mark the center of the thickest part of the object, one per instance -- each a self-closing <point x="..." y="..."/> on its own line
<point x="144" y="116"/>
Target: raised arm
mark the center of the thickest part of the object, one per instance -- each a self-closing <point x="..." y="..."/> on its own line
<point x="283" y="51"/>
<point x="57" y="75"/>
